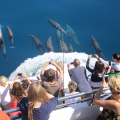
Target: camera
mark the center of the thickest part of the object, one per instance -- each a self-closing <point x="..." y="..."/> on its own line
<point x="19" y="74"/>
<point x="106" y="77"/>
<point x="109" y="63"/>
<point x="49" y="63"/>
<point x="72" y="62"/>
<point x="93" y="56"/>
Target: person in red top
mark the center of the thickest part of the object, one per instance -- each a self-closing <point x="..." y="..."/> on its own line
<point x="16" y="93"/>
<point x="3" y="115"/>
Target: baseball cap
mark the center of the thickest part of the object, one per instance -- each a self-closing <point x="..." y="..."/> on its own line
<point x="117" y="67"/>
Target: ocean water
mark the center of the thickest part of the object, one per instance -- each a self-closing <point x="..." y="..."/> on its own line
<point x="86" y="17"/>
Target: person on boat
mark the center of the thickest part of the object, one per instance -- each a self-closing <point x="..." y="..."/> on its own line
<point x="16" y="93"/>
<point x="116" y="59"/>
<point x="50" y="84"/>
<point x="111" y="106"/>
<point x="78" y="74"/>
<point x="4" y="94"/>
<point x="97" y="72"/>
<point x="38" y="105"/>
<point x="72" y="90"/>
<point x="3" y="115"/>
<point x="115" y="71"/>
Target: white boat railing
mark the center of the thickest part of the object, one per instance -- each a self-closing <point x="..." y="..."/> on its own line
<point x="89" y="99"/>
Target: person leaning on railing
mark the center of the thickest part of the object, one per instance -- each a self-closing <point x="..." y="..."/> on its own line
<point x="38" y="105"/>
<point x="111" y="106"/>
<point x="97" y="72"/>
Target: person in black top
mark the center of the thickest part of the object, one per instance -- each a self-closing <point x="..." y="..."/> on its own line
<point x="97" y="72"/>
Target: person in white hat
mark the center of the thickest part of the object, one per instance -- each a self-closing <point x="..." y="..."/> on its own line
<point x="116" y="70"/>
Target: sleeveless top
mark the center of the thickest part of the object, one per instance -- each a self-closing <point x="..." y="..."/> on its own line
<point x="108" y="114"/>
<point x="14" y="105"/>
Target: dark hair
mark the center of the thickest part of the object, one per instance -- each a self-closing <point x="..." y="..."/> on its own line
<point x="72" y="86"/>
<point x="25" y="84"/>
<point x="116" y="56"/>
<point x="76" y="62"/>
<point x="45" y="73"/>
<point x="50" y="75"/>
<point x="17" y="91"/>
<point x="99" y="66"/>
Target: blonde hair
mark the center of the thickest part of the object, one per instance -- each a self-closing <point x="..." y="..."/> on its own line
<point x="114" y="83"/>
<point x="36" y="93"/>
<point x="60" y="64"/>
<point x="3" y="81"/>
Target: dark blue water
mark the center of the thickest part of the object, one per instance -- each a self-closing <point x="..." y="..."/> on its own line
<point x="86" y="17"/>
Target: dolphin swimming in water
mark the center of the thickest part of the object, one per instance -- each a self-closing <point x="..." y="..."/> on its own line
<point x="37" y="43"/>
<point x="58" y="38"/>
<point x="73" y="34"/>
<point x="57" y="26"/>
<point x="97" y="48"/>
<point x="48" y="45"/>
<point x="2" y="46"/>
<point x="70" y="48"/>
<point x="64" y="47"/>
<point x="10" y="34"/>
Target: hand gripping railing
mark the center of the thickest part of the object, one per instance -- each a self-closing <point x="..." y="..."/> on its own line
<point x="65" y="98"/>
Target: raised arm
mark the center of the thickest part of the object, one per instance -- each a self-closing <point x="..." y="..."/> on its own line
<point x="87" y="64"/>
<point x="43" y="70"/>
<point x="24" y="75"/>
<point x="108" y="104"/>
<point x="11" y="85"/>
<point x="58" y="68"/>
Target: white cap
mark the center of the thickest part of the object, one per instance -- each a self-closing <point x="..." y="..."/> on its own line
<point x="117" y="67"/>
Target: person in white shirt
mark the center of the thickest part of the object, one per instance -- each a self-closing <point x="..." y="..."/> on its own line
<point x="4" y="94"/>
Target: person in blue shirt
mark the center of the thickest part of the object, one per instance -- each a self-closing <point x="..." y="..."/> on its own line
<point x="38" y="105"/>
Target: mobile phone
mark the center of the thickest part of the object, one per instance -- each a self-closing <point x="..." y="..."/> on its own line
<point x="19" y="74"/>
<point x="109" y="63"/>
<point x="106" y="77"/>
<point x="93" y="56"/>
<point x="72" y="62"/>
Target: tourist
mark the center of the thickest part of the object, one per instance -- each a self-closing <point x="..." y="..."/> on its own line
<point x="16" y="93"/>
<point x="50" y="84"/>
<point x="111" y="106"/>
<point x="78" y="74"/>
<point x="38" y="105"/>
<point x="72" y="88"/>
<point x="97" y="72"/>
<point x="4" y="94"/>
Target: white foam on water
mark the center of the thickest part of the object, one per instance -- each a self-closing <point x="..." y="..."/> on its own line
<point x="33" y="66"/>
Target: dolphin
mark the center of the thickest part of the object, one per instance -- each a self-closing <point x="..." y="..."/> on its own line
<point x="64" y="47"/>
<point x="58" y="38"/>
<point x="37" y="43"/>
<point x="97" y="48"/>
<point x="48" y="45"/>
<point x="10" y="34"/>
<point x="70" y="48"/>
<point x="57" y="26"/>
<point x="73" y="34"/>
<point x="2" y="46"/>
